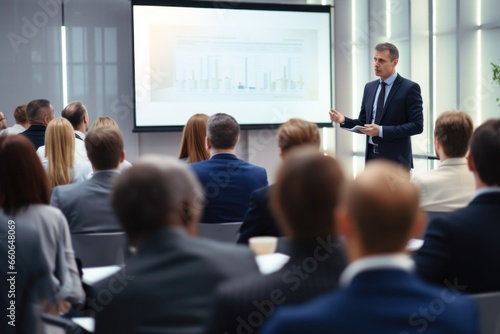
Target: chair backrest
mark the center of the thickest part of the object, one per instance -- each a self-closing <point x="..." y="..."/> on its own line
<point x="100" y="249"/>
<point x="489" y="311"/>
<point x="221" y="232"/>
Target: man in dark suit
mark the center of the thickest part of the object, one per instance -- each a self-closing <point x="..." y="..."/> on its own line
<point x="380" y="293"/>
<point x="259" y="220"/>
<point x="39" y="113"/>
<point x="87" y="205"/>
<point x="169" y="285"/>
<point x="462" y="247"/>
<point x="304" y="203"/>
<point x="391" y="111"/>
<point x="227" y="180"/>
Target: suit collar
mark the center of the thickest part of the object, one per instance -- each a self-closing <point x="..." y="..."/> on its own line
<point x="486" y="195"/>
<point x="392" y="92"/>
<point x="224" y="156"/>
<point x="389" y="261"/>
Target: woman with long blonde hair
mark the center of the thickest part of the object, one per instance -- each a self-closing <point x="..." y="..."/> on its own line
<point x="193" y="147"/>
<point x="60" y="154"/>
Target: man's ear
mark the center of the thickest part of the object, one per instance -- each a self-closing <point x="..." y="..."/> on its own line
<point x="417" y="230"/>
<point x="281" y="152"/>
<point x="342" y="221"/>
<point x="122" y="156"/>
<point x="470" y="162"/>
<point x="207" y="143"/>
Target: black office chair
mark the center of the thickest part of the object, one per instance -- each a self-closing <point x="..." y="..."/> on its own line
<point x="227" y="232"/>
<point x="489" y="311"/>
<point x="100" y="249"/>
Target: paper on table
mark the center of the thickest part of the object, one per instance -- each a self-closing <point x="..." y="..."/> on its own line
<point x="93" y="275"/>
<point x="270" y="263"/>
<point x="356" y="129"/>
<point x="86" y="323"/>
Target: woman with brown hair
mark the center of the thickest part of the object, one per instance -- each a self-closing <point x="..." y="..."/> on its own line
<point x="25" y="198"/>
<point x="60" y="153"/>
<point x="193" y="147"/>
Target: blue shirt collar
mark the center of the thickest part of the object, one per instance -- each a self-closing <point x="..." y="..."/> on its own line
<point x="390" y="80"/>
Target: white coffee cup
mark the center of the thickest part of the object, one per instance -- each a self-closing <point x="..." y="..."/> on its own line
<point x="263" y="245"/>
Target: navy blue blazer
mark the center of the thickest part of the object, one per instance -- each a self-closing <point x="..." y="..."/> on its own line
<point x="228" y="183"/>
<point x="463" y="247"/>
<point x="259" y="220"/>
<point x="380" y="301"/>
<point x="401" y="118"/>
<point x="36" y="134"/>
<point x="313" y="269"/>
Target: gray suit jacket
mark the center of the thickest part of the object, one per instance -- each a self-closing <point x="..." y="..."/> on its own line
<point x="86" y="205"/>
<point x="169" y="286"/>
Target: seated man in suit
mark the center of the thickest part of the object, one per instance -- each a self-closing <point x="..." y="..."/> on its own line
<point x="259" y="220"/>
<point x="227" y="180"/>
<point x="451" y="185"/>
<point x="169" y="286"/>
<point x="76" y="113"/>
<point x="304" y="203"/>
<point x="87" y="205"/>
<point x="380" y="293"/>
<point x="462" y="247"/>
<point x="39" y="113"/>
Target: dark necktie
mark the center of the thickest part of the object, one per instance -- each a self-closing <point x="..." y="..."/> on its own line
<point x="381" y="98"/>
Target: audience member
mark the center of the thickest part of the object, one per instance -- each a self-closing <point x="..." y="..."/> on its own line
<point x="380" y="293"/>
<point x="105" y="149"/>
<point x="193" y="147"/>
<point x="24" y="198"/>
<point x="173" y="276"/>
<point x="108" y="121"/>
<point x="60" y="151"/>
<point x="304" y="203"/>
<point x="21" y="119"/>
<point x="31" y="288"/>
<point x="461" y="248"/>
<point x="3" y="122"/>
<point x="259" y="221"/>
<point x="451" y="185"/>
<point x="227" y="180"/>
<point x="39" y="113"/>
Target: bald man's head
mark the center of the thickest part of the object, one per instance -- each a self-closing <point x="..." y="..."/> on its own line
<point x="383" y="205"/>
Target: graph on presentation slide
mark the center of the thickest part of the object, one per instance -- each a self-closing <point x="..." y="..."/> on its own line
<point x="268" y="65"/>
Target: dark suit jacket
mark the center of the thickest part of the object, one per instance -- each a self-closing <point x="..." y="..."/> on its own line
<point x="463" y="246"/>
<point x="228" y="183"/>
<point x="170" y="285"/>
<point x="380" y="301"/>
<point x="401" y="118"/>
<point x="87" y="205"/>
<point x="36" y="134"/>
<point x="32" y="281"/>
<point x="259" y="220"/>
<point x="313" y="269"/>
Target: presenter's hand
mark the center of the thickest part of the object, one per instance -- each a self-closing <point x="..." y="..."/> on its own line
<point x="336" y="117"/>
<point x="371" y="130"/>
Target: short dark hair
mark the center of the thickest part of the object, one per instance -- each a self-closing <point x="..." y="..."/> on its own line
<point x="296" y="132"/>
<point x="222" y="131"/>
<point x="75" y="113"/>
<point x="104" y="147"/>
<point x="20" y="114"/>
<point x="393" y="50"/>
<point x="309" y="187"/>
<point x="147" y="194"/>
<point x="34" y="108"/>
<point x="383" y="205"/>
<point x="22" y="177"/>
<point x="454" y="129"/>
<point x="485" y="150"/>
